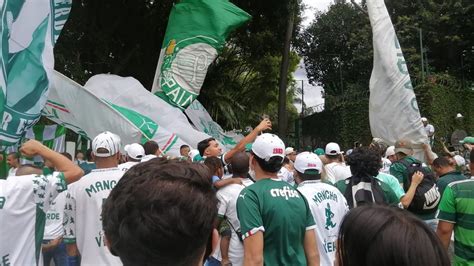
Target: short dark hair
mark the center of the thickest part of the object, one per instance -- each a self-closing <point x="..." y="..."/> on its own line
<point x="385" y="231"/>
<point x="471" y="158"/>
<point x="183" y="147"/>
<point x="213" y="163"/>
<point x="29" y="169"/>
<point x="364" y="161"/>
<point x="203" y="144"/>
<point x="309" y="175"/>
<point x="67" y="155"/>
<point x="161" y="212"/>
<point x="273" y="165"/>
<point x="14" y="154"/>
<point x="89" y="154"/>
<point x="333" y="157"/>
<point x="240" y="164"/>
<point x="150" y="147"/>
<point x="441" y="162"/>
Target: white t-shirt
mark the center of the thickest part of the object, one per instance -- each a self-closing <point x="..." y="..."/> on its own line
<point x="24" y="201"/>
<point x="12" y="171"/>
<point x="54" y="218"/>
<point x="386" y="163"/>
<point x="82" y="215"/>
<point x="328" y="207"/>
<point x="337" y="171"/>
<point x="227" y="207"/>
<point x="125" y="166"/>
<point x="286" y="175"/>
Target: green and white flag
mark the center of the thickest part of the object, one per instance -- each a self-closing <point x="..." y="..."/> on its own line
<point x="91" y="115"/>
<point x="393" y="109"/>
<point x="52" y="136"/>
<point x="203" y="122"/>
<point x="130" y="93"/>
<point x="35" y="27"/>
<point x="196" y="33"/>
<point x="4" y="33"/>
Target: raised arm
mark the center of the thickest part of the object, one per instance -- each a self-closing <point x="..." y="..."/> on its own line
<point x="70" y="171"/>
<point x="265" y="124"/>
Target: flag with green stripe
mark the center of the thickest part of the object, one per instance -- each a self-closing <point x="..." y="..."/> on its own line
<point x="35" y="27"/>
<point x="52" y="136"/>
<point x="196" y="33"/>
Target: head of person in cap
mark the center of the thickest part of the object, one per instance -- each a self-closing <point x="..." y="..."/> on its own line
<point x="424" y="120"/>
<point x="403" y="148"/>
<point x="333" y="152"/>
<point x="266" y="157"/>
<point x="390" y="154"/>
<point x="319" y="151"/>
<point x="290" y="153"/>
<point x="106" y="150"/>
<point x="468" y="142"/>
<point x="134" y="152"/>
<point x="307" y="166"/>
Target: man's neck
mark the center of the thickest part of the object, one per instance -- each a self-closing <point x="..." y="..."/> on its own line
<point x="265" y="175"/>
<point x="447" y="171"/>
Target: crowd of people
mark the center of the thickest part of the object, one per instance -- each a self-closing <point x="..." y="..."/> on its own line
<point x="260" y="203"/>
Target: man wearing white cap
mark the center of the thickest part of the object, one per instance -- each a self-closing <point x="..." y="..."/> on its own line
<point x="82" y="214"/>
<point x="134" y="154"/>
<point x="335" y="170"/>
<point x="429" y="129"/>
<point x="290" y="154"/>
<point x="276" y="222"/>
<point x="327" y="204"/>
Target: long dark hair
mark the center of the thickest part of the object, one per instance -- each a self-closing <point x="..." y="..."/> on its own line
<point x="373" y="235"/>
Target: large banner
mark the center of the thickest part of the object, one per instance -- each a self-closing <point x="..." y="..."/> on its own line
<point x="203" y="121"/>
<point x="52" y="136"/>
<point x="393" y="110"/>
<point x="130" y="93"/>
<point x="196" y="33"/>
<point x="35" y="27"/>
<point x="71" y="105"/>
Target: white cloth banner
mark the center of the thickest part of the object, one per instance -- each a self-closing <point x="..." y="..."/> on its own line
<point x="78" y="109"/>
<point x="203" y="121"/>
<point x="130" y="93"/>
<point x="393" y="110"/>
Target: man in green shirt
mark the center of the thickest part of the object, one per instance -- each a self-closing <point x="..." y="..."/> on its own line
<point x="363" y="187"/>
<point x="456" y="211"/>
<point x="404" y="152"/>
<point x="275" y="219"/>
<point x="446" y="173"/>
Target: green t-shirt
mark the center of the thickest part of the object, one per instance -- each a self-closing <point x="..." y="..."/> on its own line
<point x="390" y="196"/>
<point x="447" y="178"/>
<point x="457" y="207"/>
<point x="398" y="170"/>
<point x="282" y="214"/>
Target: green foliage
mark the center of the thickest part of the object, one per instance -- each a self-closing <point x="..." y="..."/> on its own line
<point x="125" y="37"/>
<point x="337" y="49"/>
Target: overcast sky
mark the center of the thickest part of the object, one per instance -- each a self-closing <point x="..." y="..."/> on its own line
<point x="312" y="94"/>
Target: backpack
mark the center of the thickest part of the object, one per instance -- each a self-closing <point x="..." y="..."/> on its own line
<point x="364" y="190"/>
<point x="427" y="196"/>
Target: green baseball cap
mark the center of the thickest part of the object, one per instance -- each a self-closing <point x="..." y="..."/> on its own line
<point x="469" y="140"/>
<point x="319" y="151"/>
<point x="248" y="147"/>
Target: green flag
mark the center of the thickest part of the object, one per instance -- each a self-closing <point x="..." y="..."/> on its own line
<point x="35" y="27"/>
<point x="196" y="33"/>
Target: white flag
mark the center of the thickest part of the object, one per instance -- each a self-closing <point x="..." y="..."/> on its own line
<point x="203" y="121"/>
<point x="74" y="107"/>
<point x="130" y="93"/>
<point x="393" y="109"/>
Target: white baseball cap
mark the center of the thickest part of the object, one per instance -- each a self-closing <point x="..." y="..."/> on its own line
<point x="460" y="161"/>
<point x="267" y="146"/>
<point x="390" y="151"/>
<point x="108" y="141"/>
<point x="333" y="148"/>
<point x="424" y="119"/>
<point x="135" y="151"/>
<point x="308" y="161"/>
<point x="289" y="150"/>
<point x="459" y="115"/>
